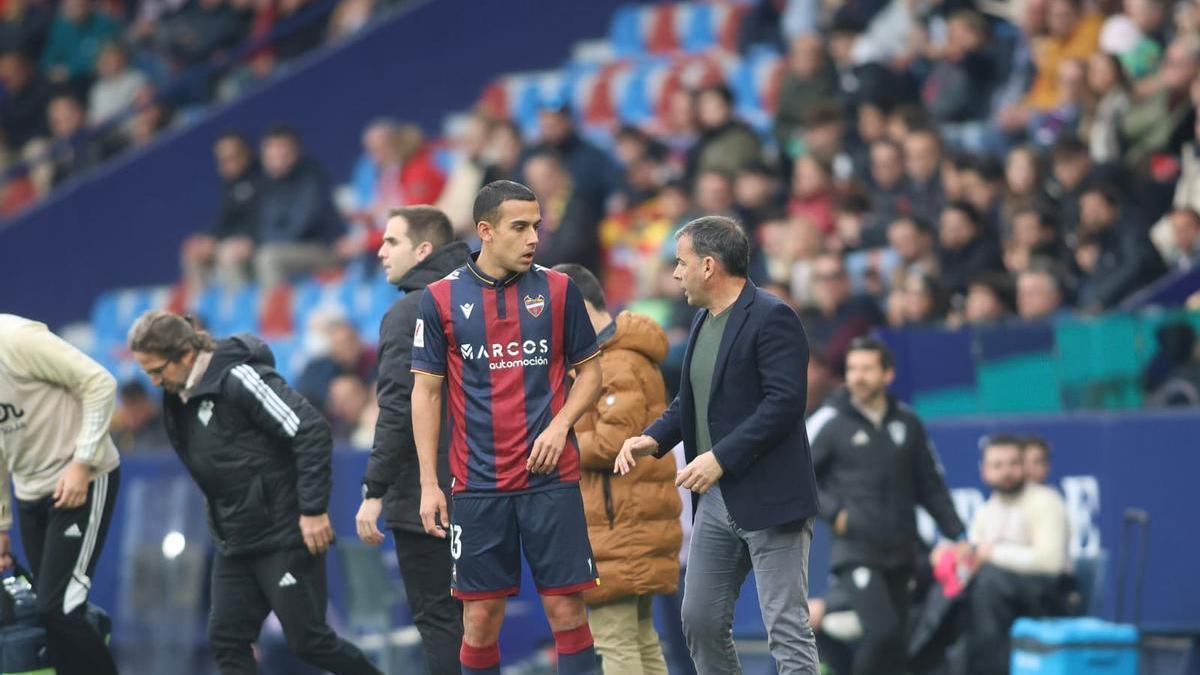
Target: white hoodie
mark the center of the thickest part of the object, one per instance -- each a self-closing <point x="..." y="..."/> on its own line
<point x="56" y="405"/>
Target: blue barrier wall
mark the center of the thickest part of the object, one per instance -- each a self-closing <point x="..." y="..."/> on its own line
<point x="124" y="228"/>
<point x="1105" y="464"/>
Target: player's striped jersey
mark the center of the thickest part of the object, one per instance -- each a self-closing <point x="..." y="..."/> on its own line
<point x="505" y="347"/>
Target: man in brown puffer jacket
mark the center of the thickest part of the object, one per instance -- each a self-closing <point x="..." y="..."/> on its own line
<point x="633" y="520"/>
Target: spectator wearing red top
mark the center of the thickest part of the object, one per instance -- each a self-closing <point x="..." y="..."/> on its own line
<point x="812" y="193"/>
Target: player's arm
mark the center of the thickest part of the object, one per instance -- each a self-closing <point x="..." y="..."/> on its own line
<point x="38" y="354"/>
<point x="427" y="422"/>
<point x="429" y="371"/>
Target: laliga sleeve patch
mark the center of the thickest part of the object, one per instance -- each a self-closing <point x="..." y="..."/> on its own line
<point x="419" y="335"/>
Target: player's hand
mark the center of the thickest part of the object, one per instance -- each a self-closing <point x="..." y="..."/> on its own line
<point x="638" y="446"/>
<point x="435" y="517"/>
<point x="547" y="449"/>
<point x="71" y="490"/>
<point x="318" y="533"/>
<point x="6" y="559"/>
<point x="700" y="474"/>
<point x="839" y="523"/>
<point x="366" y="523"/>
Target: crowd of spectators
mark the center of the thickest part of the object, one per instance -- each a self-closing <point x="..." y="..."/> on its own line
<point x="82" y="81"/>
<point x="929" y="164"/>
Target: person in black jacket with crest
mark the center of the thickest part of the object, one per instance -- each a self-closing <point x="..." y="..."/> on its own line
<point x="874" y="465"/>
<point x="261" y="455"/>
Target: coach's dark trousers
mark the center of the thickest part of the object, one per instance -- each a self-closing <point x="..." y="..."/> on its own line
<point x="425" y="567"/>
<point x="62" y="546"/>
<point x="291" y="582"/>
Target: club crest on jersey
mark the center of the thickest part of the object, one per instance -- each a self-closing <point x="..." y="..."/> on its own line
<point x="898" y="431"/>
<point x="535" y="305"/>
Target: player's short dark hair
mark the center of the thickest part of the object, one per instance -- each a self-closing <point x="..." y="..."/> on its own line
<point x="867" y="343"/>
<point x="999" y="440"/>
<point x="425" y="223"/>
<point x="586" y="282"/>
<point x="495" y="193"/>
<point x="1037" y="441"/>
<point x="168" y="335"/>
<point x="721" y="238"/>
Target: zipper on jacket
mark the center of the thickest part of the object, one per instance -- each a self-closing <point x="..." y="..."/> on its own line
<point x="608" y="504"/>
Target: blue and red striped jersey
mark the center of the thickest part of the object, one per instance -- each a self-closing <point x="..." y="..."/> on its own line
<point x="505" y="347"/>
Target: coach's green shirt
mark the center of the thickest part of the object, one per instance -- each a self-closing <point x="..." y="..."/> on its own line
<point x="704" y="362"/>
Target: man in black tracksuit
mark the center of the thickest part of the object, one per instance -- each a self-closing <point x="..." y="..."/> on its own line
<point x="874" y="465"/>
<point x="261" y="455"/>
<point x="417" y="250"/>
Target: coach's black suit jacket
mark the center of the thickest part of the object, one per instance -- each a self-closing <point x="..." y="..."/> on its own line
<point x="755" y="413"/>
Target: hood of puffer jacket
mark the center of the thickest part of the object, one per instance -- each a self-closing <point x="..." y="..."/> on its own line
<point x="639" y="333"/>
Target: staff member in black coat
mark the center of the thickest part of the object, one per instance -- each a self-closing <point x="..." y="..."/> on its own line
<point x="417" y="250"/>
<point x="874" y="465"/>
<point x="261" y="455"/>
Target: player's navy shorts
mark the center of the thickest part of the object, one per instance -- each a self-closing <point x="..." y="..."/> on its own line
<point x="489" y="531"/>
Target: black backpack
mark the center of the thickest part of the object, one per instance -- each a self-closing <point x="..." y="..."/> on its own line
<point x="22" y="637"/>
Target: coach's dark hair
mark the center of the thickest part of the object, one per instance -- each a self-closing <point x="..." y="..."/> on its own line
<point x="495" y="193"/>
<point x="994" y="440"/>
<point x="168" y="335"/>
<point x="586" y="282"/>
<point x="425" y="223"/>
<point x="721" y="238"/>
<point x="866" y="343"/>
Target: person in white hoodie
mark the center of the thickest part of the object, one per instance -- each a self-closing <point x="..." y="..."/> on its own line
<point x="56" y="405"/>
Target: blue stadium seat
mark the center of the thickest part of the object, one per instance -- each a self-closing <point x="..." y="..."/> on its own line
<point x="626" y="31"/>
<point x="226" y="311"/>
<point x="115" y="311"/>
<point x="289" y="356"/>
<point x="699" y="26"/>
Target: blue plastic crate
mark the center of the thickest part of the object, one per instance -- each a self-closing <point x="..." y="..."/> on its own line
<point x="1077" y="646"/>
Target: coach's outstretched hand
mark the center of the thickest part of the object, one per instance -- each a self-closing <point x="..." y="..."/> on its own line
<point x="638" y="446"/>
<point x="434" y="514"/>
<point x="318" y="533"/>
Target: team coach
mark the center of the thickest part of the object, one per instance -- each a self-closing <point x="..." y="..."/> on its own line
<point x="740" y="415"/>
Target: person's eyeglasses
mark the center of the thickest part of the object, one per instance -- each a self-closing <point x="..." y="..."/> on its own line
<point x="157" y="370"/>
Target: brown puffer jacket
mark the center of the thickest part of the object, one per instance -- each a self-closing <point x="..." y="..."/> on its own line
<point x="633" y="520"/>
